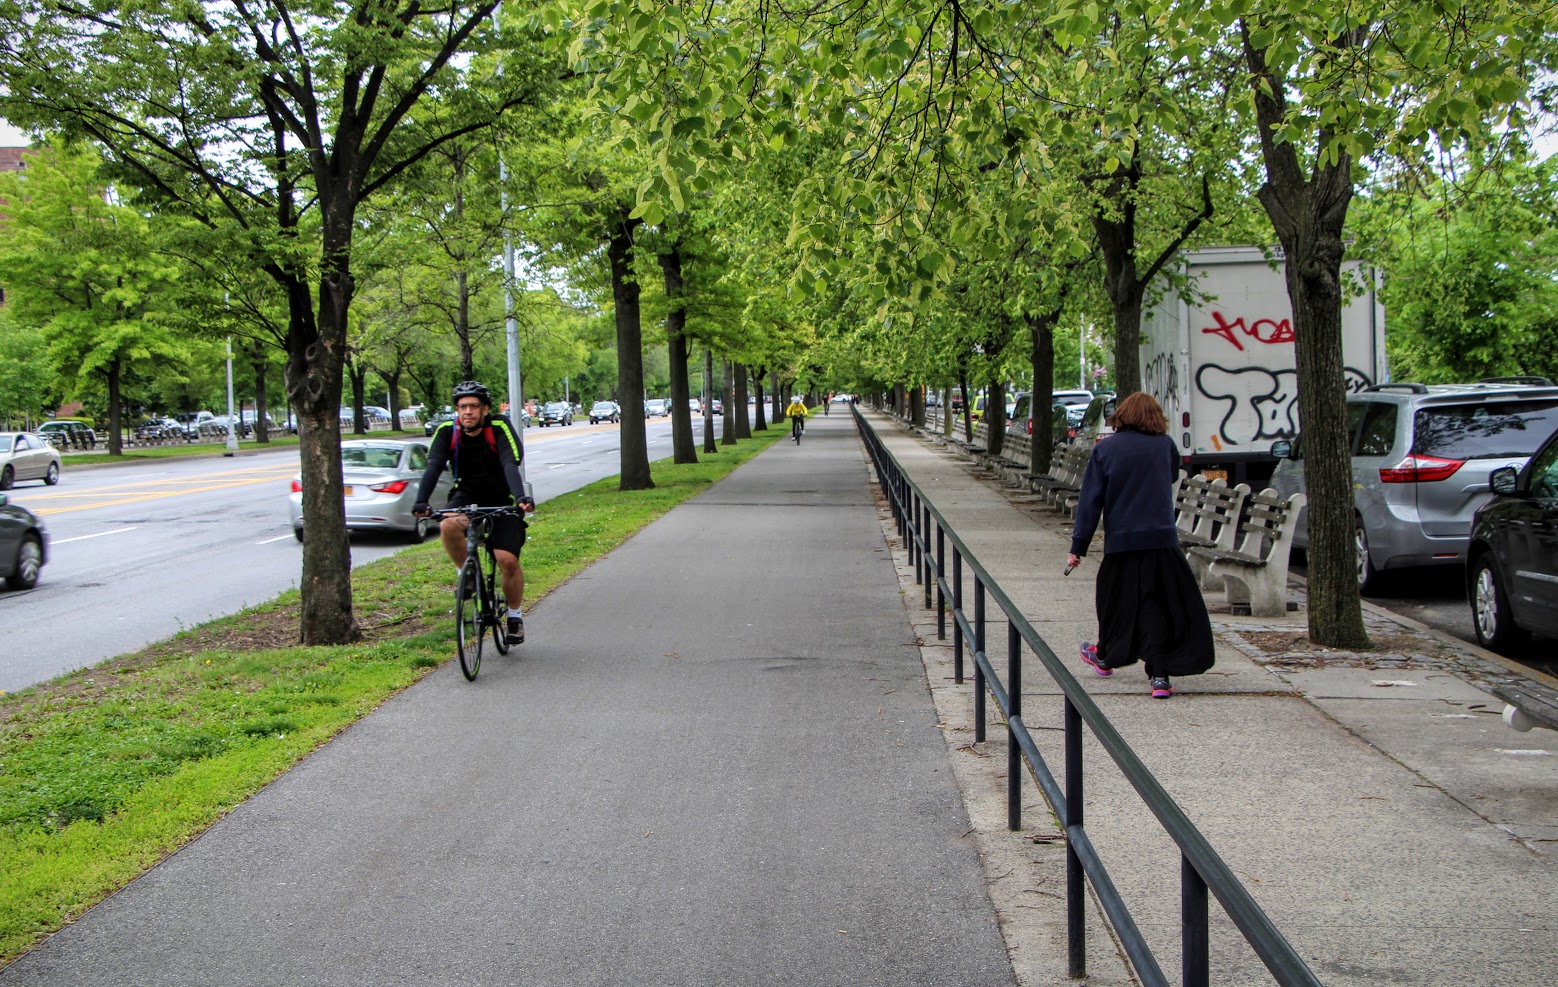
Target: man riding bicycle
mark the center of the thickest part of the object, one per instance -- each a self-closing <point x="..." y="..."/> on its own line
<point x="483" y="453"/>
<point x="796" y="410"/>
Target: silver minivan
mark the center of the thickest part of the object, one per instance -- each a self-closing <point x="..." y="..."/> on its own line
<point x="1421" y="456"/>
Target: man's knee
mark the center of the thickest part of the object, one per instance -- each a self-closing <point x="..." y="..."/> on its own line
<point x="507" y="561"/>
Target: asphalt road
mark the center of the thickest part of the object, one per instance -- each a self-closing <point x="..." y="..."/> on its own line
<point x="141" y="551"/>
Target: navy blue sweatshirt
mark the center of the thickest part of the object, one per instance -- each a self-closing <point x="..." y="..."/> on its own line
<point x="1129" y="483"/>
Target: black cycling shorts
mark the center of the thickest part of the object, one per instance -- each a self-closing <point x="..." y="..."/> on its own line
<point x="508" y="533"/>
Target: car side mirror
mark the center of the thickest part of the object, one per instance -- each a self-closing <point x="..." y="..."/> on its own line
<point x="1282" y="449"/>
<point x="1504" y="480"/>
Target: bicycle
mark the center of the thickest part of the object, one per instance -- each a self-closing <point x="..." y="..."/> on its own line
<point x="796" y="428"/>
<point x="475" y="611"/>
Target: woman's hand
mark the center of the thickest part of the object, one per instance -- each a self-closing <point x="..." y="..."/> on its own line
<point x="1072" y="561"/>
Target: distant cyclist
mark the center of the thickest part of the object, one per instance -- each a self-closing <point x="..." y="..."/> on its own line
<point x="797" y="414"/>
<point x="483" y="453"/>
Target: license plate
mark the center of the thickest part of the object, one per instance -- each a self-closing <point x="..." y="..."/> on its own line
<point x="1209" y="474"/>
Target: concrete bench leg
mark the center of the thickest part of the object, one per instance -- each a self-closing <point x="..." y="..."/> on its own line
<point x="1266" y="596"/>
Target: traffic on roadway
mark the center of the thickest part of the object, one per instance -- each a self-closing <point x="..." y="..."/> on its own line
<point x="140" y="551"/>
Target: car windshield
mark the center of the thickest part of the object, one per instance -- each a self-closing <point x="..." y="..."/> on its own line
<point x="602" y="405"/>
<point x="370" y="457"/>
<point x="555" y="406"/>
<point x="1483" y="430"/>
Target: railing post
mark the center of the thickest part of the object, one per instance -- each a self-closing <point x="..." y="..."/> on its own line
<point x="1013" y="752"/>
<point x="941" y="574"/>
<point x="979" y="670"/>
<point x="957" y="608"/>
<point x="1076" y="902"/>
<point x="930" y="572"/>
<point x="1195" y="928"/>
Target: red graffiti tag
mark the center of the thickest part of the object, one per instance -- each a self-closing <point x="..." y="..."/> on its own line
<point x="1262" y="331"/>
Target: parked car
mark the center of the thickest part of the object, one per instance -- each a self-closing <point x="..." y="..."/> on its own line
<point x="556" y="413"/>
<point x="225" y="424"/>
<point x="657" y="407"/>
<point x="27" y="456"/>
<point x="695" y="406"/>
<point x="1073" y="404"/>
<point x="380" y="478"/>
<point x="1512" y="558"/>
<point x="1422" y="456"/>
<point x="719" y="406"/>
<point x="65" y="433"/>
<point x="433" y="421"/>
<point x="605" y="411"/>
<point x="24" y="545"/>
<point x="159" y="430"/>
<point x="199" y="424"/>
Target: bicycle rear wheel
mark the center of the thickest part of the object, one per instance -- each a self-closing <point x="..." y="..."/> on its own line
<point x="497" y="612"/>
<point x="467" y="620"/>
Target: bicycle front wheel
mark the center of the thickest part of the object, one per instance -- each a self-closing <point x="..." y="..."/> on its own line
<point x="497" y="613"/>
<point x="467" y="619"/>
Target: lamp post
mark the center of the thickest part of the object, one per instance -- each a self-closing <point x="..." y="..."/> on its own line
<point x="232" y="424"/>
<point x="511" y="330"/>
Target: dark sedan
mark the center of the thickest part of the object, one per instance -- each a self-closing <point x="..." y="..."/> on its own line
<point x="24" y="545"/>
<point x="1512" y="561"/>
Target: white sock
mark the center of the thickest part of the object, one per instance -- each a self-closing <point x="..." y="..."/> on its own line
<point x="516" y="613"/>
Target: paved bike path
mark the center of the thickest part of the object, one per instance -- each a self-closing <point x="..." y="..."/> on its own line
<point x="715" y="762"/>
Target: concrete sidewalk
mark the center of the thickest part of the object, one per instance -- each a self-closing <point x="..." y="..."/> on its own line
<point x="1375" y="805"/>
<point x="715" y="761"/>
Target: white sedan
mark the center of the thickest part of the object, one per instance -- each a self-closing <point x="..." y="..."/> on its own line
<point x="380" y="479"/>
<point x="27" y="456"/>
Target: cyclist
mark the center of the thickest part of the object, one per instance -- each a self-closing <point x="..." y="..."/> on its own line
<point x="483" y="453"/>
<point x="796" y="410"/>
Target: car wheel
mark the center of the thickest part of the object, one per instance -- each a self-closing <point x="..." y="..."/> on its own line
<point x="1368" y="576"/>
<point x="1490" y="614"/>
<point x="7" y="477"/>
<point x="29" y="560"/>
<point x="53" y="475"/>
<point x="298" y="534"/>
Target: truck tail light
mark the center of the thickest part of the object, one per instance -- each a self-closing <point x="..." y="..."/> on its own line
<point x="396" y="486"/>
<point x="1420" y="469"/>
<point x="1030" y="426"/>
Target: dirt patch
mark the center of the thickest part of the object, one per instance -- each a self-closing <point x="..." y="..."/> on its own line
<point x="1293" y="649"/>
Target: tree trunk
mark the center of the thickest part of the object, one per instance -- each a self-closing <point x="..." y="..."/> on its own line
<point x="968" y="408"/>
<point x="708" y="401"/>
<point x="1308" y="215"/>
<point x="917" y="406"/>
<point x="633" y="443"/>
<point x="758" y="411"/>
<point x="779" y="403"/>
<point x="261" y="423"/>
<point x="392" y="381"/>
<point x="115" y="411"/>
<point x="995" y="419"/>
<point x="739" y="384"/>
<point x="1041" y="405"/>
<point x="358" y="373"/>
<point x="683" y="449"/>
<point x="728" y="410"/>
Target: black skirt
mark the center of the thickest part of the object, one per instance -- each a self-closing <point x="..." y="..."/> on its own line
<point x="1151" y="610"/>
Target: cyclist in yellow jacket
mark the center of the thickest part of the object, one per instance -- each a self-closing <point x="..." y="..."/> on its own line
<point x="797" y="413"/>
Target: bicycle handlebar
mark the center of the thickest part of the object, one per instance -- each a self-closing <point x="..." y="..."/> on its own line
<point x="477" y="512"/>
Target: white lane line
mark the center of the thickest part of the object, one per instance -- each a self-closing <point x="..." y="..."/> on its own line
<point x="277" y="538"/>
<point x="116" y="531"/>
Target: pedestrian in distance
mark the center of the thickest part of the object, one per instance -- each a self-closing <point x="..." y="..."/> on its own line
<point x="1150" y="608"/>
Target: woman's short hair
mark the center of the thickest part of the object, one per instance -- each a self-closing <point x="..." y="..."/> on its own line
<point x="1140" y="412"/>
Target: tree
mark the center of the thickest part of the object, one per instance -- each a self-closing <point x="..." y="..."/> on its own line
<point x="1328" y="92"/>
<point x="82" y="268"/>
<point x="297" y="117"/>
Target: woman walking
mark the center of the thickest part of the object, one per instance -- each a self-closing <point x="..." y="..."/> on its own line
<point x="1149" y="606"/>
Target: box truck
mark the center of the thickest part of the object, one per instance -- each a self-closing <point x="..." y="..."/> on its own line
<point x="1219" y="357"/>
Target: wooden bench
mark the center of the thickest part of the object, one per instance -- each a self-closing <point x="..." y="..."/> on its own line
<point x="1062" y="486"/>
<point x="1256" y="573"/>
<point x="1207" y="514"/>
<point x="1528" y="704"/>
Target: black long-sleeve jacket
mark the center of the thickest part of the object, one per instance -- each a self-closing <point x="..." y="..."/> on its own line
<point x="485" y="465"/>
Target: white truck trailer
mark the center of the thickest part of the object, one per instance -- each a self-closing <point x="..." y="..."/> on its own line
<point x="1220" y="358"/>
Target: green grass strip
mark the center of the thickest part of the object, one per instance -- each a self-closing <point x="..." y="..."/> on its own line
<point x="105" y="771"/>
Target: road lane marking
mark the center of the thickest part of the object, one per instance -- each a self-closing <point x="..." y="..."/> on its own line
<point x="115" y="531"/>
<point x="158" y="495"/>
<point x="277" y="538"/>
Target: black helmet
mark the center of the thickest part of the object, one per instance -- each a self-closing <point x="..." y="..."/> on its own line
<point x="472" y="389"/>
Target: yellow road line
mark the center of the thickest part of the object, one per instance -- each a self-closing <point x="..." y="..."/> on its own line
<point x="159" y="495"/>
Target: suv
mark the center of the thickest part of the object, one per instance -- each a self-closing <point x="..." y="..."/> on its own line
<point x="556" y="413"/>
<point x="1421" y="460"/>
<point x="64" y="434"/>
<point x="1073" y="402"/>
<point x="604" y="411"/>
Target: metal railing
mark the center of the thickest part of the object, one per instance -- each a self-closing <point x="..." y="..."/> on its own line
<point x="926" y="535"/>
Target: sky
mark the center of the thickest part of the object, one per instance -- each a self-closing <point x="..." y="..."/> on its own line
<point x="10" y="136"/>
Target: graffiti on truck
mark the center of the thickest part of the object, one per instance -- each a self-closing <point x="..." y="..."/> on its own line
<point x="1160" y="378"/>
<point x="1272" y="332"/>
<point x="1260" y="397"/>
